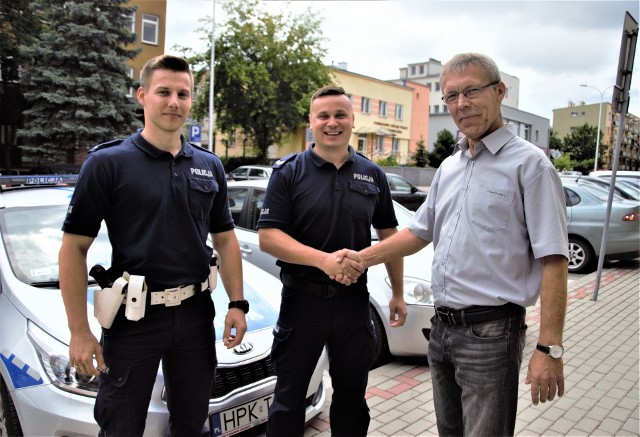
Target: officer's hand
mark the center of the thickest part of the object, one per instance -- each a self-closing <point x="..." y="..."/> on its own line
<point x="82" y="348"/>
<point x="349" y="267"/>
<point x="235" y="319"/>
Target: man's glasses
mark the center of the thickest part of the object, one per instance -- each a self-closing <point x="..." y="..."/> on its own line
<point x="469" y="93"/>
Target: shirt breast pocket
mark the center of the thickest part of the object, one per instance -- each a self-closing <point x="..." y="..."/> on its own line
<point x="201" y="195"/>
<point x="364" y="197"/>
<point x="492" y="208"/>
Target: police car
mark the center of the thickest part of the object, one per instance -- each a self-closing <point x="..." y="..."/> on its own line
<point x="245" y="200"/>
<point x="40" y="394"/>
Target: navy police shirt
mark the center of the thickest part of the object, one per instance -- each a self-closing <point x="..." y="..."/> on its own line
<point x="158" y="209"/>
<point x="326" y="208"/>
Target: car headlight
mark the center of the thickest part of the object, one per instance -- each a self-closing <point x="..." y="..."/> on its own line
<point x="416" y="291"/>
<point x="54" y="357"/>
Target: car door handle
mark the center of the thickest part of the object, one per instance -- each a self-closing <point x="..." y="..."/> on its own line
<point x="246" y="250"/>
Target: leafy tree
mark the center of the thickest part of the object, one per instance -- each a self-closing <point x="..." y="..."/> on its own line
<point x="563" y="162"/>
<point x="442" y="148"/>
<point x="421" y="157"/>
<point x="555" y="143"/>
<point x="77" y="80"/>
<point x="18" y="25"/>
<point x="581" y="144"/>
<point x="266" y="68"/>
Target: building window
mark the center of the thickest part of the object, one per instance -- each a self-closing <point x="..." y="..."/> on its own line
<point x="150" y="29"/>
<point x="382" y="109"/>
<point x="422" y="69"/>
<point x="436" y="109"/>
<point x="399" y="112"/>
<point x="364" y="105"/>
<point x="527" y="132"/>
<point x="413" y="70"/>
<point x="132" y="27"/>
<point x="445" y="109"/>
<point x="362" y="144"/>
<point x="130" y="91"/>
<point x="437" y="86"/>
<point x="395" y="145"/>
<point x="379" y="144"/>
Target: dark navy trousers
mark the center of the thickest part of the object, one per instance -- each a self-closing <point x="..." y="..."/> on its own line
<point x="183" y="338"/>
<point x="306" y="324"/>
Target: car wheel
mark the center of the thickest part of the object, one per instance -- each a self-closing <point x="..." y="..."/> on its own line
<point x="9" y="422"/>
<point x="580" y="255"/>
<point x="382" y="354"/>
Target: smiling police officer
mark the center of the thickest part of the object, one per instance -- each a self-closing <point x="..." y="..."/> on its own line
<point x="160" y="197"/>
<point x="317" y="203"/>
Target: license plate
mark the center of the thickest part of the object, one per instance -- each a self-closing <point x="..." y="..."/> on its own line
<point x="240" y="418"/>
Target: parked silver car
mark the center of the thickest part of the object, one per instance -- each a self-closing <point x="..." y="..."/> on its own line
<point x="41" y="395"/>
<point x="246" y="199"/>
<point x="586" y="212"/>
<point x="249" y="172"/>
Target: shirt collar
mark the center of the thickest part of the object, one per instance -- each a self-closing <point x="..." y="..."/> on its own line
<point x="492" y="142"/>
<point x="186" y="149"/>
<point x="319" y="162"/>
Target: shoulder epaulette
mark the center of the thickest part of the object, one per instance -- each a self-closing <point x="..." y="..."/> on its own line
<point x="201" y="148"/>
<point x="282" y="161"/>
<point x="358" y="153"/>
<point x="107" y="144"/>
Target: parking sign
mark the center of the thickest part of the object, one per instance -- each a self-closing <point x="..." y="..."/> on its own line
<point x="195" y="133"/>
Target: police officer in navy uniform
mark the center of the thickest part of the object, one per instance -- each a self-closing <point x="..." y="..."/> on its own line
<point x="317" y="204"/>
<point x="160" y="197"/>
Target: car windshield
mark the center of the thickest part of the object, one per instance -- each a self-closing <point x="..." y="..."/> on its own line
<point x="599" y="191"/>
<point x="32" y="237"/>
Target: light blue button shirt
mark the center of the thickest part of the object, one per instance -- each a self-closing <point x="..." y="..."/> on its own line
<point x="491" y="217"/>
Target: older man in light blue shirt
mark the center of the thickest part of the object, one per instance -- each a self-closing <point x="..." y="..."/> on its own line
<point x="496" y="215"/>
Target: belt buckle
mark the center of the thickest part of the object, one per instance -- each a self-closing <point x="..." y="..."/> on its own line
<point x="450" y="318"/>
<point x="172" y="297"/>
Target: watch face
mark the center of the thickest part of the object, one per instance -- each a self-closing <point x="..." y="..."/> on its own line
<point x="556" y="351"/>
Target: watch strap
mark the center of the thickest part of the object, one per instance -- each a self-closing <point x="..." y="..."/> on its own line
<point x="240" y="304"/>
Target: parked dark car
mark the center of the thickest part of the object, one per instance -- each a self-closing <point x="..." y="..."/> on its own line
<point x="405" y="193"/>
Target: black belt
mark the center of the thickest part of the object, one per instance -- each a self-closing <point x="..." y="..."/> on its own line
<point x="318" y="289"/>
<point x="476" y="314"/>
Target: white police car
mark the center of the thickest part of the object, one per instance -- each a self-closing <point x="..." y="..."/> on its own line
<point x="40" y="394"/>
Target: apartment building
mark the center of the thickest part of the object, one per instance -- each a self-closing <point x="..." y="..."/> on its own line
<point x="566" y="120"/>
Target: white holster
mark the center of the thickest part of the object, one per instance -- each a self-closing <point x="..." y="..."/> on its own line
<point x="106" y="302"/>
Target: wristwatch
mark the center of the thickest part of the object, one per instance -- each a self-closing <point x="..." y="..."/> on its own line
<point x="241" y="304"/>
<point x="554" y="351"/>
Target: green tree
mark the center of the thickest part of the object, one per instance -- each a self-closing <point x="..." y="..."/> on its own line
<point x="581" y="144"/>
<point x="77" y="80"/>
<point x="555" y="143"/>
<point x="266" y="68"/>
<point x="563" y="162"/>
<point x="18" y="26"/>
<point x="421" y="157"/>
<point x="442" y="148"/>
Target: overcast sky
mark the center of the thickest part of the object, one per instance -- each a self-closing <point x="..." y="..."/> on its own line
<point x="551" y="46"/>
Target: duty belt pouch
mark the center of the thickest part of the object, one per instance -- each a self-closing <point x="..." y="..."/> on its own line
<point x="214" y="265"/>
<point x="106" y="302"/>
<point x="136" y="298"/>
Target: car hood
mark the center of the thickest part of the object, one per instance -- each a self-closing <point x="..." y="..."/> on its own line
<point x="45" y="308"/>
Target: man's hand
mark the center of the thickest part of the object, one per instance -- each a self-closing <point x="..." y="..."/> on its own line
<point x="235" y="319"/>
<point x="545" y="376"/>
<point x="344" y="266"/>
<point x="397" y="312"/>
<point x="82" y="348"/>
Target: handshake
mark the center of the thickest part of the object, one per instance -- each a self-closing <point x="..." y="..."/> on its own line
<point x="344" y="266"/>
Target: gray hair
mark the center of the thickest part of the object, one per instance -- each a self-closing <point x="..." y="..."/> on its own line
<point x="460" y="62"/>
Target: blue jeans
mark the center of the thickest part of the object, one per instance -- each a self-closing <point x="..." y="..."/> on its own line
<point x="306" y="324"/>
<point x="183" y="338"/>
<point x="475" y="371"/>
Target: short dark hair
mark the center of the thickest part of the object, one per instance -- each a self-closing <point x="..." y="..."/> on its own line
<point x="329" y="90"/>
<point x="164" y="62"/>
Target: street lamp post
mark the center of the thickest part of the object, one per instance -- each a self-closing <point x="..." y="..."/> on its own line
<point x="595" y="164"/>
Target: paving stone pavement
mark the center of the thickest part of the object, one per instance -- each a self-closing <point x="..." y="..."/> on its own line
<point x="601" y="366"/>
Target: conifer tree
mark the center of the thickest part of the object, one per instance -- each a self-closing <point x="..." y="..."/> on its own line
<point x="442" y="148"/>
<point x="76" y="80"/>
<point x="421" y="157"/>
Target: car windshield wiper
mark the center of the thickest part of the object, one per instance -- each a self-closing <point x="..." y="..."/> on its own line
<point x="45" y="284"/>
<point x="54" y="284"/>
